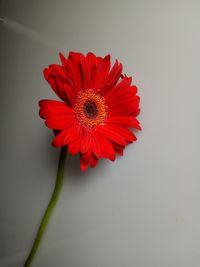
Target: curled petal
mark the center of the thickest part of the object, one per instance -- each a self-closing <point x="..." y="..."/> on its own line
<point x="55" y="81"/>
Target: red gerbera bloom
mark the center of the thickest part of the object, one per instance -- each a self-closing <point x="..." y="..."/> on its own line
<point x="98" y="109"/>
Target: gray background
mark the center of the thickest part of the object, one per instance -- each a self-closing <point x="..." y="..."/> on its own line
<point x="143" y="209"/>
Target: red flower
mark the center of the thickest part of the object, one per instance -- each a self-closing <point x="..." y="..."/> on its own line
<point x="98" y="109"/>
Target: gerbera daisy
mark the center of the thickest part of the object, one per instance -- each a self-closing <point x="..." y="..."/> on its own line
<point x="98" y="108"/>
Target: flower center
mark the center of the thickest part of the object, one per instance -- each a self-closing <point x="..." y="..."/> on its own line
<point x="90" y="109"/>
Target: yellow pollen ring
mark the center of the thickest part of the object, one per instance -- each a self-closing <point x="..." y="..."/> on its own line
<point x="90" y="109"/>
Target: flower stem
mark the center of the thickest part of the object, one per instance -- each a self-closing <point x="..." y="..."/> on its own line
<point x="50" y="207"/>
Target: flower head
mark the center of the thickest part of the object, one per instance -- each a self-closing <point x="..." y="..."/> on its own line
<point x="99" y="107"/>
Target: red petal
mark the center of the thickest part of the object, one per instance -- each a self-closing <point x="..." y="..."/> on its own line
<point x="93" y="161"/>
<point x="112" y="78"/>
<point x="63" y="61"/>
<point x="119" y="90"/>
<point x="85" y="72"/>
<point x="105" y="148"/>
<point x="91" y="59"/>
<point x="102" y="71"/>
<point x="92" y="64"/>
<point x="124" y="107"/>
<point x="108" y="132"/>
<point x="60" y="123"/>
<point x="86" y="142"/>
<point x="95" y="145"/>
<point x="93" y="73"/>
<point x="126" y="121"/>
<point x="120" y="152"/>
<point x="133" y="89"/>
<point x="83" y="164"/>
<point x="74" y="147"/>
<point x="87" y="156"/>
<point x="74" y="66"/>
<point x="54" y="109"/>
<point x="70" y="92"/>
<point x="125" y="133"/>
<point x="65" y="65"/>
<point x="66" y="137"/>
<point x="55" y="82"/>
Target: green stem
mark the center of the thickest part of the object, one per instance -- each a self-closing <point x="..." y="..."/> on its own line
<point x="50" y="207"/>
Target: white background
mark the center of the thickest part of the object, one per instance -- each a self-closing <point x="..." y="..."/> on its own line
<point x="143" y="210"/>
